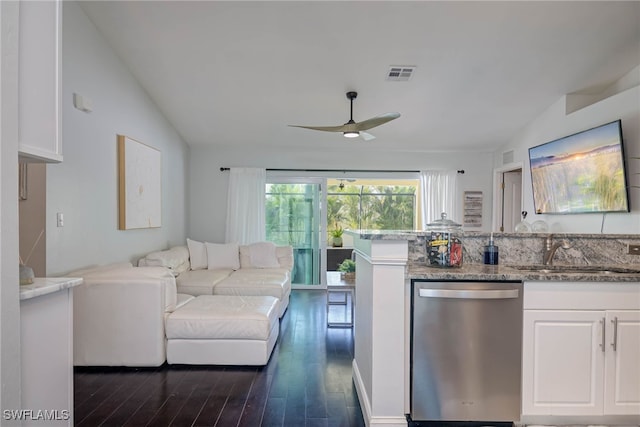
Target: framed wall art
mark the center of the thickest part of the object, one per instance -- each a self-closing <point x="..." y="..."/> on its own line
<point x="139" y="185"/>
<point x="472" y="209"/>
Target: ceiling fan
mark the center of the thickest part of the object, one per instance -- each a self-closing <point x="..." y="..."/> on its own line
<point x="353" y="129"/>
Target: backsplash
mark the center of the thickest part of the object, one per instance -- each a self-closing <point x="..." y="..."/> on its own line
<point x="527" y="248"/>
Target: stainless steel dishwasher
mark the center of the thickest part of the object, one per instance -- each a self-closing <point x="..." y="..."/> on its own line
<point x="466" y="346"/>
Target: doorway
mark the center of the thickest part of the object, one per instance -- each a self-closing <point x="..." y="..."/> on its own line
<point x="32" y="216"/>
<point x="507" y="203"/>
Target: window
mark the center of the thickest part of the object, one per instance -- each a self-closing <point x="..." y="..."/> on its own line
<point x="372" y="204"/>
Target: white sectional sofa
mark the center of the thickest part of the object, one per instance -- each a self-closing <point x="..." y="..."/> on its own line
<point x="119" y="315"/>
<point x="203" y="268"/>
<point x="138" y="316"/>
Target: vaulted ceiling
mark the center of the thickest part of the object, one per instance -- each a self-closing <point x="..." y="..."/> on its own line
<point x="239" y="72"/>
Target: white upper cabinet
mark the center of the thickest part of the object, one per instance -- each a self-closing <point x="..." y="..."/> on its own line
<point x="39" y="87"/>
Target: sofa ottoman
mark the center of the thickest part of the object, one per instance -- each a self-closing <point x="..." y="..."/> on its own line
<point x="223" y="330"/>
<point x="257" y="282"/>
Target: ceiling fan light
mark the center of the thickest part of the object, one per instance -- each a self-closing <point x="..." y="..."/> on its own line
<point x="351" y="134"/>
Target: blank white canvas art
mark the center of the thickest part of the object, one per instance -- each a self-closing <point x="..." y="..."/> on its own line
<point x="140" y="193"/>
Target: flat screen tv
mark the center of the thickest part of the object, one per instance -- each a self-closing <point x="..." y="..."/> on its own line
<point x="581" y="173"/>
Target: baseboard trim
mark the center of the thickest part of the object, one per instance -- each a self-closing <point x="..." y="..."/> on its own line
<point x="363" y="398"/>
<point x="584" y="420"/>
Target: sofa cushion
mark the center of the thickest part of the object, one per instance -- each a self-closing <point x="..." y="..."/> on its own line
<point x="197" y="254"/>
<point x="261" y="255"/>
<point x="250" y="273"/>
<point x="201" y="282"/>
<point x="222" y="256"/>
<point x="285" y="257"/>
<point x="249" y="282"/>
<point x="223" y="317"/>
<point x="175" y="259"/>
<point x="183" y="299"/>
<point x="132" y="276"/>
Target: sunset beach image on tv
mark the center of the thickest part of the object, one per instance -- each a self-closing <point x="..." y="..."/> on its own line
<point x="580" y="173"/>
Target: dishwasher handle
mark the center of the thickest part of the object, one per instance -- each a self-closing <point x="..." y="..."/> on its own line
<point x="470" y="293"/>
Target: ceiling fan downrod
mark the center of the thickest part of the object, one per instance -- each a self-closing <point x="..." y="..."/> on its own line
<point x="351" y="134"/>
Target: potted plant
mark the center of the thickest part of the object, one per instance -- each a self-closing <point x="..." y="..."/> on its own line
<point x="347" y="269"/>
<point x="336" y="234"/>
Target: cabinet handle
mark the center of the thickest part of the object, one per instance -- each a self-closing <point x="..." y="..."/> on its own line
<point x="603" y="342"/>
<point x="614" y="343"/>
<point x="469" y="293"/>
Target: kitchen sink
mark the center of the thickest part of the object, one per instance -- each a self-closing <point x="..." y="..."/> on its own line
<point x="600" y="269"/>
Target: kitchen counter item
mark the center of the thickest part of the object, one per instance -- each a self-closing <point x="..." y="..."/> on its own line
<point x="491" y="252"/>
<point x="444" y="243"/>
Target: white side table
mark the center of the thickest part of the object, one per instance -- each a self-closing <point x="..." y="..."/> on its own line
<point x="335" y="284"/>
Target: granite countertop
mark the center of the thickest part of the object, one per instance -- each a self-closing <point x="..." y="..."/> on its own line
<point x="589" y="257"/>
<point x="413" y="235"/>
<point x="47" y="285"/>
<point x="557" y="273"/>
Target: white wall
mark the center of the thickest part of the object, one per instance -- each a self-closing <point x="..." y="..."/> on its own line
<point x="208" y="208"/>
<point x="554" y="123"/>
<point x="84" y="185"/>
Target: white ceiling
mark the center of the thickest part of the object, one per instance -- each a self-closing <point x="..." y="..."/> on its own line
<point x="238" y="72"/>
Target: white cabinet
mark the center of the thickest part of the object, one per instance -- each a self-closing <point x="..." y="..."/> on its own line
<point x="562" y="364"/>
<point x="622" y="364"/>
<point x="46" y="358"/>
<point x="581" y="350"/>
<point x="39" y="81"/>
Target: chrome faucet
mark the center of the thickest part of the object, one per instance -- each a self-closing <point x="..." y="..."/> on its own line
<point x="550" y="249"/>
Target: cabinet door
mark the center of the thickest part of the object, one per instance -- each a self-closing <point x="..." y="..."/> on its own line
<point x="622" y="365"/>
<point x="563" y="362"/>
<point x="46" y="334"/>
<point x="38" y="91"/>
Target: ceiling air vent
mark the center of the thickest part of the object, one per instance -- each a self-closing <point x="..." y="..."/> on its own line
<point x="400" y="73"/>
<point x="507" y="157"/>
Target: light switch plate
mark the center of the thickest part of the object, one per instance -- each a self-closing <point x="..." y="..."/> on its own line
<point x="633" y="249"/>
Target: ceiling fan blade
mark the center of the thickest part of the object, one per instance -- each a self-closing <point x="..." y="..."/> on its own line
<point x="342" y="128"/>
<point x="367" y="136"/>
<point x="376" y="121"/>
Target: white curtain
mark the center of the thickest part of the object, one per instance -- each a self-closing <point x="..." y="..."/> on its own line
<point x="439" y="193"/>
<point x="245" y="206"/>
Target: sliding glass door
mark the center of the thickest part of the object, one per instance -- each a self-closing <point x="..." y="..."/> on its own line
<point x="293" y="218"/>
<point x="301" y="212"/>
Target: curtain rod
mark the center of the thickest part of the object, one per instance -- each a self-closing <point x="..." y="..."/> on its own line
<point x="461" y="171"/>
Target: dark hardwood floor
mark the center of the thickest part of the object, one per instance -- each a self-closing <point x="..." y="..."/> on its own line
<point x="307" y="382"/>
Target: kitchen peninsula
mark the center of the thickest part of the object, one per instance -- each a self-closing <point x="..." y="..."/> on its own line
<point x="387" y="262"/>
<point x="46" y="325"/>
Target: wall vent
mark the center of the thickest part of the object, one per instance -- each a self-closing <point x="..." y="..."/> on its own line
<point x="400" y="73"/>
<point x="507" y="157"/>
